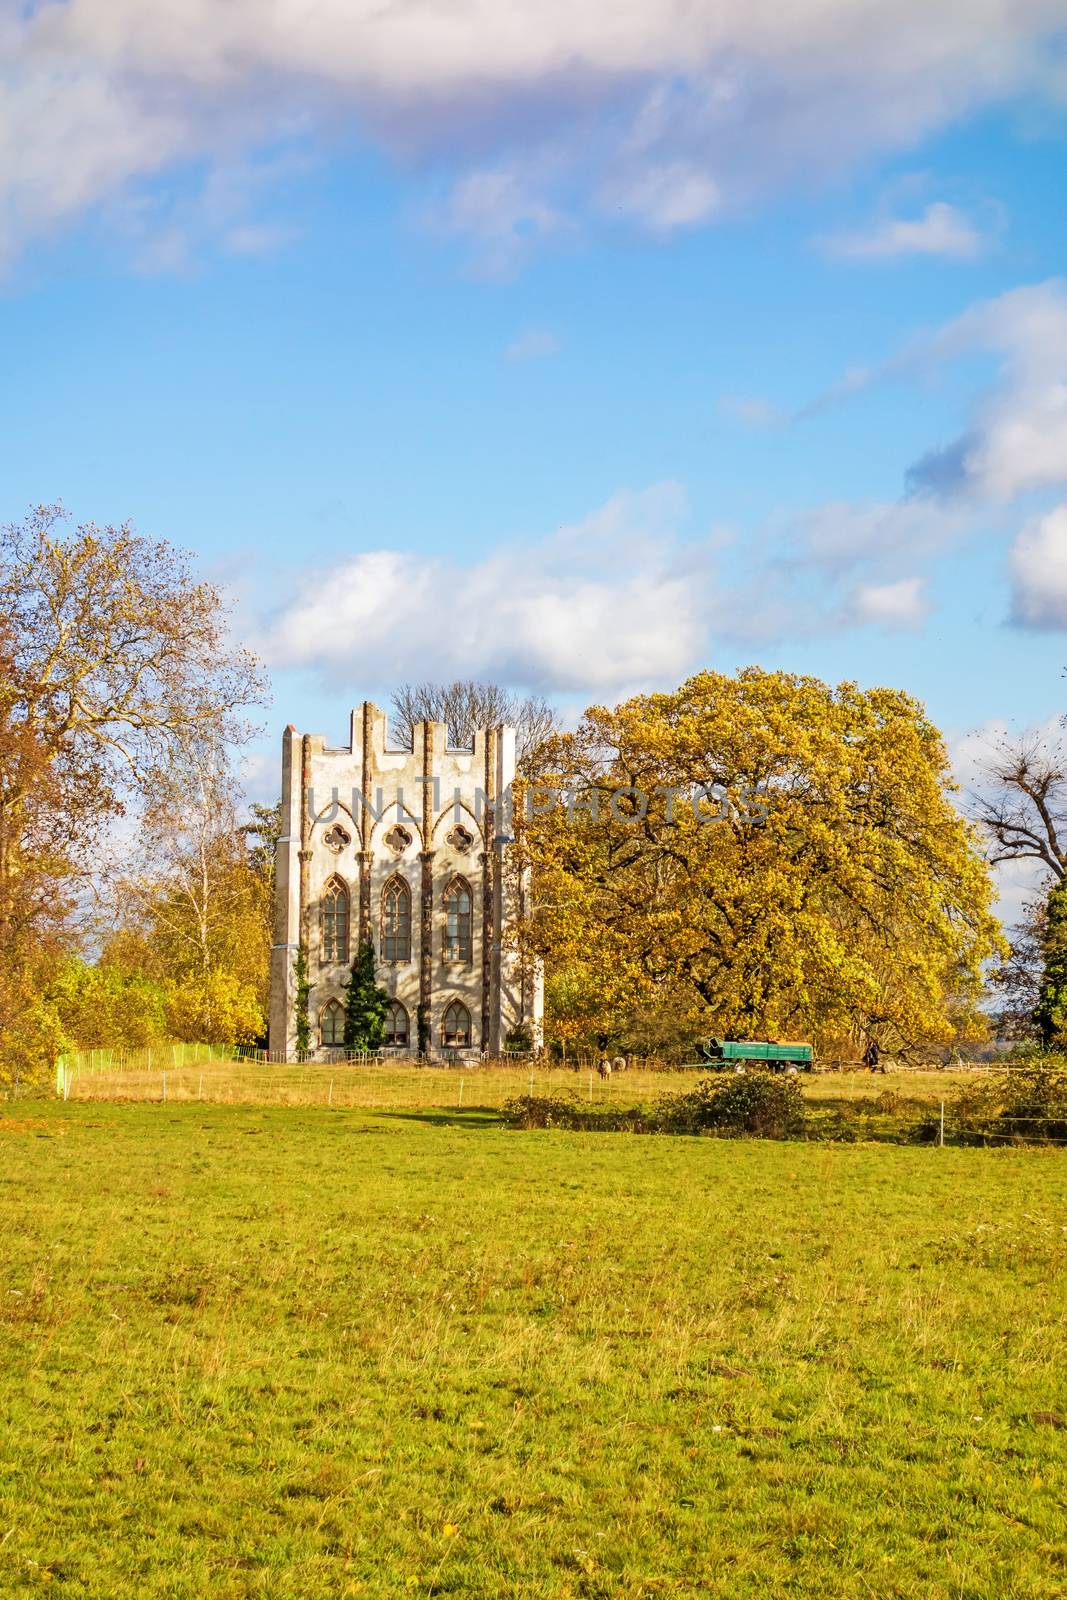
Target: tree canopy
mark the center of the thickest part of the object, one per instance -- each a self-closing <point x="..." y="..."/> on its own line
<point x="825" y="885"/>
<point x="115" y="664"/>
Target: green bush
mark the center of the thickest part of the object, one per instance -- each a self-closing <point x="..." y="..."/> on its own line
<point x="567" y="1111"/>
<point x="763" y="1105"/>
<point x="1024" y="1104"/>
<point x="760" y="1104"/>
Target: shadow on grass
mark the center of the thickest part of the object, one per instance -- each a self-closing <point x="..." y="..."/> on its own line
<point x="446" y="1116"/>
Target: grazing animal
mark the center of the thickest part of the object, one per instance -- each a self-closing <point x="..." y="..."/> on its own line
<point x="603" y="1066"/>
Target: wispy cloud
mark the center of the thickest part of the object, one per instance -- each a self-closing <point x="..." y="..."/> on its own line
<point x="752" y="410"/>
<point x="533" y="345"/>
<point x="500" y="216"/>
<point x="941" y="230"/>
<point x="665" y="196"/>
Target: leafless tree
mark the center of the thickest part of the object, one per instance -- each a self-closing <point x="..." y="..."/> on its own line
<point x="467" y="705"/>
<point x="1022" y="804"/>
<point x="1016" y="983"/>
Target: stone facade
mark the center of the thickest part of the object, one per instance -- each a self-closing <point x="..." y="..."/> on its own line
<point x="398" y="846"/>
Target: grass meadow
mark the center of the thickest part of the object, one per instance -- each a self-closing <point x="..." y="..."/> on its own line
<point x="299" y="1351"/>
<point x="402" y="1086"/>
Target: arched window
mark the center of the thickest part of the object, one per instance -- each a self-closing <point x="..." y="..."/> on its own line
<point x="458" y="902"/>
<point x="333" y="916"/>
<point x="456" y="1027"/>
<point x="396" y="1024"/>
<point x="332" y="1023"/>
<point x="396" y="921"/>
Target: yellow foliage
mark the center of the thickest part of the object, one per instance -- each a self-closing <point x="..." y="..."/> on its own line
<point x="837" y="892"/>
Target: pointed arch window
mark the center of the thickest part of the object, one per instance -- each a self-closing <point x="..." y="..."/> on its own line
<point x="333" y="915"/>
<point x="332" y="1023"/>
<point x="396" y="921"/>
<point x="456" y="1026"/>
<point x="458" y="905"/>
<point x="396" y="1025"/>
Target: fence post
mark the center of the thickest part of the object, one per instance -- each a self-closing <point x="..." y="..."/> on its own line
<point x="329" y="1098"/>
<point x="590" y="1088"/>
<point x="941" y="1141"/>
<point x="164" y="1086"/>
<point x="200" y="1088"/>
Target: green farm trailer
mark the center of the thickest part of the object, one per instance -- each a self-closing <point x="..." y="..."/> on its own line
<point x="776" y="1055"/>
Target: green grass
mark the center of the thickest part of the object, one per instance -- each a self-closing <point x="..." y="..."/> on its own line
<point x="293" y="1352"/>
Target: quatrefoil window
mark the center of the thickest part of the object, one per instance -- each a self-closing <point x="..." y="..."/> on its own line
<point x="460" y="839"/>
<point x="335" y="839"/>
<point x="398" y="839"/>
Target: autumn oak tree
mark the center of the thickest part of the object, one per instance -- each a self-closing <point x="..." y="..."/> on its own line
<point x="837" y="894"/>
<point x="116" y="659"/>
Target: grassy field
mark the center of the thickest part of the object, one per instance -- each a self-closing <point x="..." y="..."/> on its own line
<point x="298" y="1352"/>
<point x="401" y="1086"/>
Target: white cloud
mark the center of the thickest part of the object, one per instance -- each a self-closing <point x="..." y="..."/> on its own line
<point x="1016" y="438"/>
<point x="942" y="230"/>
<point x="1039" y="573"/>
<point x="502" y="217"/>
<point x="675" y="110"/>
<point x="533" y="345"/>
<point x="613" y="600"/>
<point x="675" y="194"/>
<point x="841" y="533"/>
<point x="891" y="605"/>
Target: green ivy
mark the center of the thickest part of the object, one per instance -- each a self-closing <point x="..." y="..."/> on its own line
<point x="303" y="1000"/>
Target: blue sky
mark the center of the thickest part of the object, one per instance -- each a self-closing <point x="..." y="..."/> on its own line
<point x="577" y="347"/>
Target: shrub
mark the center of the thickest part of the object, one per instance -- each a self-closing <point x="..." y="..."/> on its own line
<point x="567" y="1111"/>
<point x="1024" y="1104"/>
<point x="762" y="1104"/>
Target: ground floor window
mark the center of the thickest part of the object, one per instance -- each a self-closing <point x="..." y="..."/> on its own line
<point x="396" y="1024"/>
<point x="332" y="1023"/>
<point x="456" y="1027"/>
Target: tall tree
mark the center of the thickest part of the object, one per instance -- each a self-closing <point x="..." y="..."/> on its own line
<point x="366" y="1004"/>
<point x="1050" y="1011"/>
<point x="1021" y="805"/>
<point x="466" y="705"/>
<point x="195" y="915"/>
<point x="838" y="892"/>
<point x="119" y="655"/>
<point x="36" y="875"/>
<point x="114" y="658"/>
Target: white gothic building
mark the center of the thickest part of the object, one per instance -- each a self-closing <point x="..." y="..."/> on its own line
<point x="406" y="848"/>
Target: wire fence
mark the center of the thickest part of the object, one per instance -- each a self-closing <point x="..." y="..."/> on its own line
<point x="369" y="1083"/>
<point x="212" y="1074"/>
